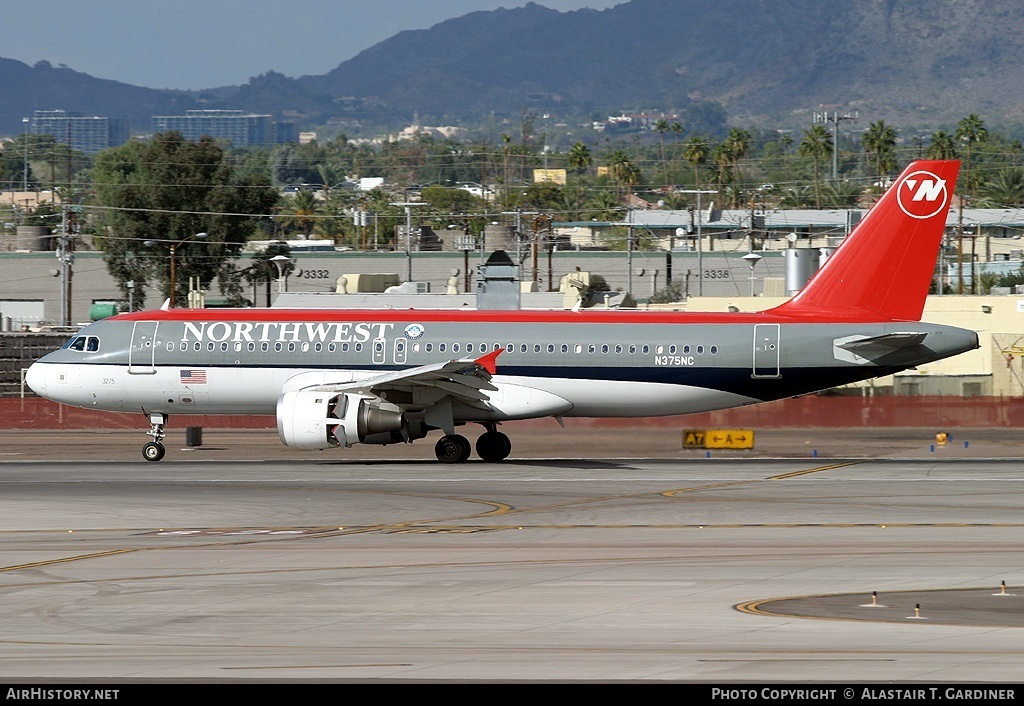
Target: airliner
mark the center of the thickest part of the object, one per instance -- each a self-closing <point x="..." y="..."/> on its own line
<point x="335" y="378"/>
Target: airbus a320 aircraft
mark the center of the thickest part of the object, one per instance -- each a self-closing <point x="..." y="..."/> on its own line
<point x="340" y="377"/>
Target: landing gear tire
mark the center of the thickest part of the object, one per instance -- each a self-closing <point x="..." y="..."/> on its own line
<point x="452" y="448"/>
<point x="493" y="446"/>
<point x="153" y="451"/>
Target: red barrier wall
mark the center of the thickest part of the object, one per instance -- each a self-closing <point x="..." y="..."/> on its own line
<point x="809" y="411"/>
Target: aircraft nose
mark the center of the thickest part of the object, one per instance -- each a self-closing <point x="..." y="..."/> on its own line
<point x="35" y="378"/>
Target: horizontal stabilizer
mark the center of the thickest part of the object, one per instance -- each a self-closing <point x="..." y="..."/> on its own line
<point x="888" y="341"/>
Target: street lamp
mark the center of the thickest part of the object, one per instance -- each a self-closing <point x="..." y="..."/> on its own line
<point x="279" y="261"/>
<point x="24" y="175"/>
<point x="752" y="260"/>
<point x="173" y="248"/>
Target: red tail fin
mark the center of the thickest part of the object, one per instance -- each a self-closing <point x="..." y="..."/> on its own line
<point x="885" y="266"/>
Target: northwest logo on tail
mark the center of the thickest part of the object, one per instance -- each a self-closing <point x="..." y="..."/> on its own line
<point x="921" y="194"/>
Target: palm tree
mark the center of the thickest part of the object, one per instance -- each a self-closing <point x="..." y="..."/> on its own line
<point x="738" y="142"/>
<point x="579" y="160"/>
<point x="623" y="170"/>
<point x="845" y="194"/>
<point x="661" y="125"/>
<point x="300" y="211"/>
<point x="880" y="142"/>
<point x="677" y="129"/>
<point x="971" y="130"/>
<point x="722" y="156"/>
<point x="942" y="146"/>
<point x="817" y="144"/>
<point x="696" y="151"/>
<point x="1005" y="189"/>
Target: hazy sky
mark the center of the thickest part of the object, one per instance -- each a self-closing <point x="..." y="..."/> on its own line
<point x="192" y="44"/>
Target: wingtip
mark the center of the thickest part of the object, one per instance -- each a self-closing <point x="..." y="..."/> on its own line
<point x="489" y="362"/>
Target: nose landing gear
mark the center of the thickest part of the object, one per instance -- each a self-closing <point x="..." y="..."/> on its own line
<point x="154" y="450"/>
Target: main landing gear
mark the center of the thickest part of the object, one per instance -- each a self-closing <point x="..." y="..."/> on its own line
<point x="154" y="450"/>
<point x="492" y="446"/>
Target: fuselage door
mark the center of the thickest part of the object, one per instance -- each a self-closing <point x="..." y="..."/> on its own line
<point x="766" y="351"/>
<point x="400" y="347"/>
<point x="379" y="350"/>
<point x="142" y="353"/>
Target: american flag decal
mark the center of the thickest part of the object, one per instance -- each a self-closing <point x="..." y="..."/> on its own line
<point x="193" y="377"/>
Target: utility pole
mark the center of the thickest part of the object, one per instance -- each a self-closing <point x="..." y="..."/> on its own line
<point x="66" y="254"/>
<point x="835" y="118"/>
<point x="408" y="234"/>
<point x="700" y="238"/>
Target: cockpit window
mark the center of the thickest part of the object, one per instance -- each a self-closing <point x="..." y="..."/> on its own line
<point x="89" y="344"/>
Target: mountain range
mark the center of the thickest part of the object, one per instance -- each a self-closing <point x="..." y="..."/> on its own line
<point x="922" y="63"/>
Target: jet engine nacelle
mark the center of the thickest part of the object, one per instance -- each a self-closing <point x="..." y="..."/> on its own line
<point x="313" y="419"/>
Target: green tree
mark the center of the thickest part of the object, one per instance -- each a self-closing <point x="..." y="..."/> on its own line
<point x="661" y="126"/>
<point x="625" y="173"/>
<point x="697" y="151"/>
<point x="941" y="146"/>
<point x="880" y="145"/>
<point x="971" y="131"/>
<point x="578" y="160"/>
<point x="737" y="144"/>
<point x="300" y="212"/>
<point x="1004" y="190"/>
<point x="164" y="194"/>
<point x="817" y="144"/>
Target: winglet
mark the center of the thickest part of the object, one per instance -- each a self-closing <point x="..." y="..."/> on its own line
<point x="489" y="362"/>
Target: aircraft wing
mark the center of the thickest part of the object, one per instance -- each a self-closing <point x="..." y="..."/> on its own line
<point x="463" y="380"/>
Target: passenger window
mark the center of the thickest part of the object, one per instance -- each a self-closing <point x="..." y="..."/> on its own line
<point x="455" y="348"/>
<point x="251" y="346"/>
<point x="618" y="348"/>
<point x="183" y="347"/>
<point x="264" y="346"/>
<point x="714" y="350"/>
<point x="428" y="347"/>
<point x="578" y="348"/>
<point x="632" y="349"/>
<point x="672" y="348"/>
<point x="442" y="347"/>
<point x="700" y="350"/>
<point x="523" y="348"/>
<point x="646" y="349"/>
<point x="686" y="350"/>
<point x="604" y="348"/>
<point x="565" y="348"/>
<point x="469" y="347"/>
<point x="659" y="350"/>
<point x="551" y="348"/>
<point x="211" y="346"/>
